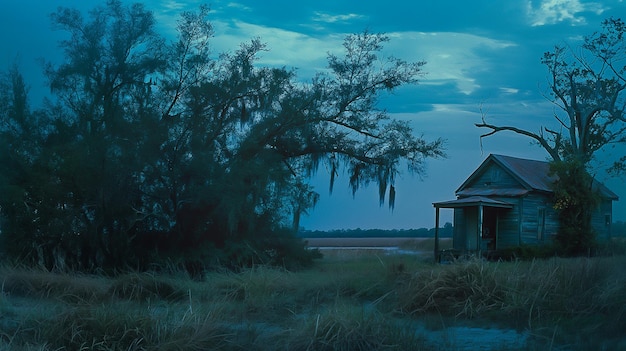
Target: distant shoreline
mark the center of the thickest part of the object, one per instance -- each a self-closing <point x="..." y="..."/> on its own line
<point x="367" y="242"/>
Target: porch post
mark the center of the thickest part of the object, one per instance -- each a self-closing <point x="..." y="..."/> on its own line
<point x="436" y="234"/>
<point x="480" y="227"/>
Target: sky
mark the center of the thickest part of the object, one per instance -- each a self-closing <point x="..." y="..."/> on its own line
<point x="482" y="60"/>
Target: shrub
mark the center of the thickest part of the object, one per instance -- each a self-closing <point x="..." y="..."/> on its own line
<point x="274" y="247"/>
<point x="575" y="200"/>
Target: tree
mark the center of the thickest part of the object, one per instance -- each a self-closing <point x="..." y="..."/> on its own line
<point x="259" y="133"/>
<point x="17" y="154"/>
<point x="89" y="168"/>
<point x="588" y="86"/>
<point x="159" y="148"/>
<point x="575" y="200"/>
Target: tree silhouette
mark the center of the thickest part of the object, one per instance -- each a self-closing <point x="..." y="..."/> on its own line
<point x="159" y="149"/>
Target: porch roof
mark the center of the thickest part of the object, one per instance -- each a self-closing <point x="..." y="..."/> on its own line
<point x="474" y="192"/>
<point x="473" y="201"/>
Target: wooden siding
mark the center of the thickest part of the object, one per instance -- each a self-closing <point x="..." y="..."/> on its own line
<point x="598" y="220"/>
<point x="458" y="241"/>
<point x="494" y="177"/>
<point x="552" y="224"/>
<point x="531" y="221"/>
<point x="508" y="225"/>
<point x="531" y="205"/>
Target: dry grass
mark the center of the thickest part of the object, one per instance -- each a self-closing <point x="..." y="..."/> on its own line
<point x="556" y="298"/>
<point x="35" y="283"/>
<point x="364" y="303"/>
<point x="348" y="327"/>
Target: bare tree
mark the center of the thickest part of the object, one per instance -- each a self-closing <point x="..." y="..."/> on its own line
<point x="588" y="86"/>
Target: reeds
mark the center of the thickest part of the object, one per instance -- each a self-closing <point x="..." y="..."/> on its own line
<point x="365" y="303"/>
<point x="349" y="327"/>
<point x="554" y="298"/>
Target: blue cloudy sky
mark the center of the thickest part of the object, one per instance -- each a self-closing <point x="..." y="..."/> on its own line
<point x="483" y="58"/>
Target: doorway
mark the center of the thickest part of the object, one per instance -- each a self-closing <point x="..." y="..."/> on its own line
<point x="490" y="228"/>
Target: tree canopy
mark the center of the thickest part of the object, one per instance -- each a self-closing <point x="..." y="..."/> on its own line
<point x="156" y="147"/>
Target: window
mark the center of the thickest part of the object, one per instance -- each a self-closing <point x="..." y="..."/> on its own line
<point x="607" y="220"/>
<point x="541" y="223"/>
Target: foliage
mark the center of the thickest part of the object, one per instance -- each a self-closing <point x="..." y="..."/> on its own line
<point x="618" y="229"/>
<point x="576" y="200"/>
<point x="158" y="148"/>
<point x="589" y="87"/>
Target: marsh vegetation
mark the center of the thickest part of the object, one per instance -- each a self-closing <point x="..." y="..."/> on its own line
<point x="375" y="302"/>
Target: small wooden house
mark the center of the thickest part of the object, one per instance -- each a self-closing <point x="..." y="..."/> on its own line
<point x="507" y="202"/>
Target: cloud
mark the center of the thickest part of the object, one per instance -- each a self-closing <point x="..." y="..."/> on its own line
<point x="327" y="18"/>
<point x="449" y="56"/>
<point x="457" y="62"/>
<point x="173" y="5"/>
<point x="453" y="58"/>
<point x="239" y="6"/>
<point x="507" y="90"/>
<point x="556" y="11"/>
<point x="285" y="48"/>
<point x="168" y="12"/>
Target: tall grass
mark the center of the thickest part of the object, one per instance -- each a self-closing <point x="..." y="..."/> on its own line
<point x="362" y="303"/>
<point x="349" y="327"/>
<point x="557" y="299"/>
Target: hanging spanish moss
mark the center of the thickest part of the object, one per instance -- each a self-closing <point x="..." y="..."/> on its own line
<point x="382" y="189"/>
<point x="333" y="173"/>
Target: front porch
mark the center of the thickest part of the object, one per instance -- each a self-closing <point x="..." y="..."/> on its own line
<point x="476" y="229"/>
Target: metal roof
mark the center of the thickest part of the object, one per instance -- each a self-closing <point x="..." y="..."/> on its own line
<point x="534" y="174"/>
<point x="531" y="174"/>
<point x="473" y="201"/>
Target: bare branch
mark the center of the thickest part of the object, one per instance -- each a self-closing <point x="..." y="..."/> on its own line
<point x="553" y="151"/>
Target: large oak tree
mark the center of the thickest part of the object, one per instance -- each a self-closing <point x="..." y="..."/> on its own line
<point x="160" y="145"/>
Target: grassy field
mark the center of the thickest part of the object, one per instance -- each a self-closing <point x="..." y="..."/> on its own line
<point x="371" y="302"/>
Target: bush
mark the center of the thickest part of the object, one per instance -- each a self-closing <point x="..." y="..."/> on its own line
<point x="575" y="200"/>
<point x="278" y="247"/>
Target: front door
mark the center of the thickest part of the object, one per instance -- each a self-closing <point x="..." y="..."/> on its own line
<point x="490" y="228"/>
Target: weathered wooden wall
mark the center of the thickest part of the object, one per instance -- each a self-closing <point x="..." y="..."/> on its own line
<point x="459" y="237"/>
<point x="521" y="224"/>
<point x="598" y="220"/>
<point x="494" y="177"/>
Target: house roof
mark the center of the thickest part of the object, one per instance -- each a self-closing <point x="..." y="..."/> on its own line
<point x="473" y="201"/>
<point x="531" y="174"/>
